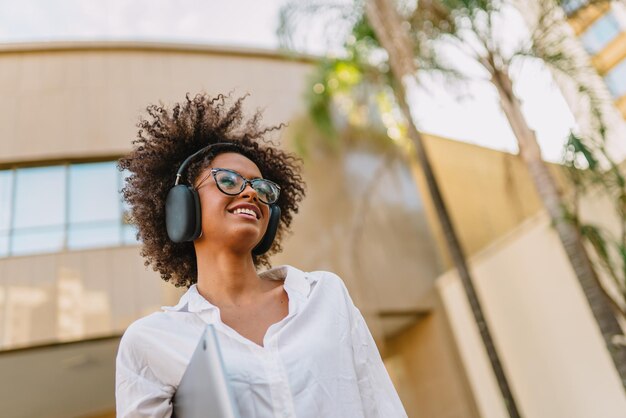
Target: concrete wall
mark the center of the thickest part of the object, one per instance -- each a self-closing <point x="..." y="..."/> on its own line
<point x="487" y="192"/>
<point x="61" y="101"/>
<point x="76" y="295"/>
<point x="543" y="328"/>
<point x="424" y="364"/>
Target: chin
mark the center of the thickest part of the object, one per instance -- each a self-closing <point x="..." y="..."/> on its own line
<point x="242" y="238"/>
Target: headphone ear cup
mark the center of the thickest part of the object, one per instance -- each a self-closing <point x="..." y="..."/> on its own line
<point x="182" y="214"/>
<point x="268" y="238"/>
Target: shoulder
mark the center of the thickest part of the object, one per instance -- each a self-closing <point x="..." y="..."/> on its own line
<point x="158" y="346"/>
<point x="319" y="278"/>
<point x="327" y="279"/>
<point x="139" y="334"/>
<point x="330" y="284"/>
<point x="150" y="332"/>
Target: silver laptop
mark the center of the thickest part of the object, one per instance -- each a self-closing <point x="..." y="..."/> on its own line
<point x="204" y="391"/>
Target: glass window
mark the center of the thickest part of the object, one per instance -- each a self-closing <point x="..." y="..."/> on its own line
<point x="603" y="31"/>
<point x="74" y="206"/>
<point x="571" y="6"/>
<point x="616" y="80"/>
<point x="94" y="214"/>
<point x="39" y="210"/>
<point x="6" y="197"/>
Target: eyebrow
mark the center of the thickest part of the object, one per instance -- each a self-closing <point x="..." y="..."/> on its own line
<point x="235" y="171"/>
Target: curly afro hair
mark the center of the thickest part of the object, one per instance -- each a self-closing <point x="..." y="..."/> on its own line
<point x="168" y="136"/>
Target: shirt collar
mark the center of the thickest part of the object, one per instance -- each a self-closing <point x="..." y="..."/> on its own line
<point x="297" y="284"/>
<point x="191" y="301"/>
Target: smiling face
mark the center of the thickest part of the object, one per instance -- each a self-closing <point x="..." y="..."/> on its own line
<point x="237" y="222"/>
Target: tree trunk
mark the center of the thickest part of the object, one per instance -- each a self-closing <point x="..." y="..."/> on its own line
<point x="568" y="233"/>
<point x="388" y="27"/>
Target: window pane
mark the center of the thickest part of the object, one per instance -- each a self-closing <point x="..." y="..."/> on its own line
<point x="6" y="197"/>
<point x="37" y="240"/>
<point x="571" y="6"/>
<point x="603" y="31"/>
<point x="130" y="234"/>
<point x="93" y="193"/>
<point x="616" y="80"/>
<point x="94" y="215"/>
<point x="90" y="235"/>
<point x="39" y="197"/>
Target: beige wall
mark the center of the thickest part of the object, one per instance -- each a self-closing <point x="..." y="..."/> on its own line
<point x="85" y="99"/>
<point x="75" y="295"/>
<point x="423" y="363"/>
<point x="488" y="193"/>
<point x="59" y="381"/>
<point x="545" y="333"/>
<point x="375" y="235"/>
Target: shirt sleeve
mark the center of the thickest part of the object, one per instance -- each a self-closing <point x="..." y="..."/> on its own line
<point x="137" y="391"/>
<point x="379" y="397"/>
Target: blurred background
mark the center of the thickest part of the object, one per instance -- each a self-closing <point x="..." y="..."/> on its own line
<point x="465" y="170"/>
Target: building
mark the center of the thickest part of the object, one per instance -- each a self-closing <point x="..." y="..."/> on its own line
<point x="71" y="279"/>
<point x="601" y="28"/>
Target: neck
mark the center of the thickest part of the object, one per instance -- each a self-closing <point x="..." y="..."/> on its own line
<point x="226" y="278"/>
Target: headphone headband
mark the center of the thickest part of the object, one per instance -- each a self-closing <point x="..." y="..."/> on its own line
<point x="183" y="166"/>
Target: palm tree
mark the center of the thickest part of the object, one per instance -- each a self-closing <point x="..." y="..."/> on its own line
<point x="474" y="33"/>
<point x="387" y="25"/>
<point x="471" y="29"/>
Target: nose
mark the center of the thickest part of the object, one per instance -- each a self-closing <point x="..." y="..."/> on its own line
<point x="249" y="192"/>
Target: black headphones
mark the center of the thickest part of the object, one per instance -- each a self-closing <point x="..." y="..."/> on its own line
<point x="183" y="217"/>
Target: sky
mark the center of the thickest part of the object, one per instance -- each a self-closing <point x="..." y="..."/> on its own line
<point x="474" y="116"/>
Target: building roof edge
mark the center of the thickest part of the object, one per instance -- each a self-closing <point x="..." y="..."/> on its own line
<point x="63" y="46"/>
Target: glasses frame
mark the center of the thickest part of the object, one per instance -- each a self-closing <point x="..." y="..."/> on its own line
<point x="246" y="181"/>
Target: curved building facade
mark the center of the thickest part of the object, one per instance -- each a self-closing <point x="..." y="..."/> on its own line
<point x="71" y="278"/>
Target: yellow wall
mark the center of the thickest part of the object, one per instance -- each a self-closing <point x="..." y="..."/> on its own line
<point x="488" y="193"/>
<point x="621" y="105"/>
<point x="427" y="372"/>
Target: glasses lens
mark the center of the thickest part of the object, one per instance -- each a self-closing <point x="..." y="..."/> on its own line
<point x="228" y="182"/>
<point x="266" y="190"/>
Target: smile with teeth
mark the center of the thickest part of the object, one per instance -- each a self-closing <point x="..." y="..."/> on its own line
<point x="245" y="211"/>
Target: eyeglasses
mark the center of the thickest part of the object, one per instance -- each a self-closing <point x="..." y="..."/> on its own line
<point x="232" y="183"/>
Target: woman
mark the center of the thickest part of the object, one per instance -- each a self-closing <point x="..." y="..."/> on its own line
<point x="294" y="344"/>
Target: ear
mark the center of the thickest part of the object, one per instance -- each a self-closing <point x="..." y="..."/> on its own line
<point x="182" y="214"/>
<point x="268" y="238"/>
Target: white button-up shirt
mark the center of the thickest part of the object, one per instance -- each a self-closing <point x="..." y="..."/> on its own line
<point x="320" y="361"/>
